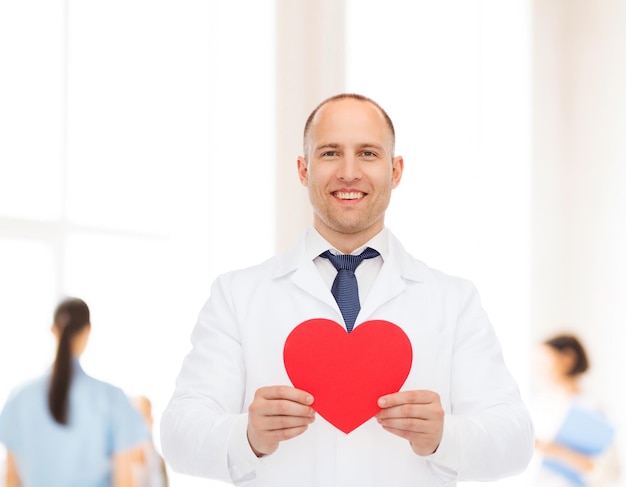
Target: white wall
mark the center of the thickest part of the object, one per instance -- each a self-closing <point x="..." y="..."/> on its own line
<point x="310" y="66"/>
<point x="579" y="204"/>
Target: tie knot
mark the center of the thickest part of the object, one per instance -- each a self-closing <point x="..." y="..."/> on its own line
<point x="349" y="262"/>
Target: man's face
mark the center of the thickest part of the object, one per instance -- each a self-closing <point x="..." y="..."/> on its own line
<point x="350" y="169"/>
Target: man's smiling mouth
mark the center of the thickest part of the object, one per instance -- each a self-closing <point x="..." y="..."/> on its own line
<point x="352" y="195"/>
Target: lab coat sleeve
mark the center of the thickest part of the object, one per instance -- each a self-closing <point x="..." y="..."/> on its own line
<point x="488" y="433"/>
<point x="203" y="428"/>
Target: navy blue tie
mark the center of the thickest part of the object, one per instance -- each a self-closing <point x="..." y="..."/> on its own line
<point x="345" y="289"/>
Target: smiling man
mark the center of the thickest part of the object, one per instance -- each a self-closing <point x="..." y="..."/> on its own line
<point x="235" y="416"/>
<point x="349" y="169"/>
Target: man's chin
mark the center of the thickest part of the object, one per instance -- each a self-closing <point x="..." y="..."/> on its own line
<point x="350" y="226"/>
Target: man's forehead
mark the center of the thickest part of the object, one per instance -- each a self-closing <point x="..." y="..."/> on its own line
<point x="355" y="115"/>
<point x="343" y="117"/>
<point x="338" y="106"/>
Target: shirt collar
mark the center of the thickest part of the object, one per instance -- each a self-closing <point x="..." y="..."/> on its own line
<point x="315" y="244"/>
<point x="76" y="367"/>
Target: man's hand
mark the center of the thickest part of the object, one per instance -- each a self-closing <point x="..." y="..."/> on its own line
<point x="414" y="415"/>
<point x="277" y="413"/>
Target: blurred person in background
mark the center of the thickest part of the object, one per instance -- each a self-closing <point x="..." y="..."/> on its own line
<point x="574" y="439"/>
<point x="66" y="428"/>
<point x="150" y="471"/>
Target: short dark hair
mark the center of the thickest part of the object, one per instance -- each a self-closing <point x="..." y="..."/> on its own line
<point x="342" y="96"/>
<point x="570" y="343"/>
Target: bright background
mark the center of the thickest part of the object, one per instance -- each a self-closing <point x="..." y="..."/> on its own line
<point x="145" y="144"/>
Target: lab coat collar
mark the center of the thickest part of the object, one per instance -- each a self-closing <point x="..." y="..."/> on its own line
<point x="398" y="268"/>
<point x="398" y="260"/>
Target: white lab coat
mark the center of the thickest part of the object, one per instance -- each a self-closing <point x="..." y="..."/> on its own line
<point x="238" y="345"/>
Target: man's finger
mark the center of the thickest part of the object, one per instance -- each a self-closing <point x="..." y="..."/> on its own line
<point x="285" y="392"/>
<point x="408" y="397"/>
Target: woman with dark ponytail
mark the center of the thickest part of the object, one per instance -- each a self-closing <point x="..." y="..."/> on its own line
<point x="71" y="327"/>
<point x="67" y="428"/>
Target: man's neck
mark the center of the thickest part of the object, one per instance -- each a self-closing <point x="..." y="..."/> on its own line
<point x="346" y="243"/>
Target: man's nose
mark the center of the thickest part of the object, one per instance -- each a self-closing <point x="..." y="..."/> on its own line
<point x="349" y="169"/>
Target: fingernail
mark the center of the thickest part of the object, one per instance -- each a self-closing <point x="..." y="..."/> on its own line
<point x="382" y="401"/>
<point x="309" y="399"/>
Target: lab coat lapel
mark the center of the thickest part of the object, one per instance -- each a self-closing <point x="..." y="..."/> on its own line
<point x="308" y="278"/>
<point x="388" y="284"/>
<point x="397" y="269"/>
<point x="304" y="274"/>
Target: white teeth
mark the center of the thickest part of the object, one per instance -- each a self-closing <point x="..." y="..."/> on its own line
<point x="349" y="196"/>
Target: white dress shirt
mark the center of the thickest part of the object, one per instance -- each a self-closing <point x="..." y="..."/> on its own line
<point x="365" y="273"/>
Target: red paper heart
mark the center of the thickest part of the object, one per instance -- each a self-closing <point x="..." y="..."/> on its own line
<point x="347" y="372"/>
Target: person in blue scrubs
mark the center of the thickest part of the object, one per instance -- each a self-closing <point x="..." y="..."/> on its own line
<point x="67" y="429"/>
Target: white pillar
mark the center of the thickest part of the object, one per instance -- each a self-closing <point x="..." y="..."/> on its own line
<point x="310" y="67"/>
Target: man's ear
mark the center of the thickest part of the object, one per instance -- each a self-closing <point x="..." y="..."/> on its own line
<point x="397" y="167"/>
<point x="303" y="171"/>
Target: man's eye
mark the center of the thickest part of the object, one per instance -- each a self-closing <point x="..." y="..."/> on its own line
<point x="330" y="153"/>
<point x="368" y="153"/>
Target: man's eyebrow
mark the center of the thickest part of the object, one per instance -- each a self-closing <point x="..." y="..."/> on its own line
<point x="361" y="146"/>
<point x="367" y="145"/>
<point x="330" y="145"/>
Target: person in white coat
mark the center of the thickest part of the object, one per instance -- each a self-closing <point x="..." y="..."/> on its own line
<point x="234" y="415"/>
